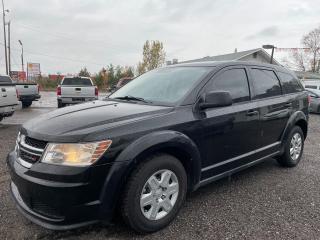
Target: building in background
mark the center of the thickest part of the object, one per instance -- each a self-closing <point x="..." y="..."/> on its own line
<point x="254" y="55"/>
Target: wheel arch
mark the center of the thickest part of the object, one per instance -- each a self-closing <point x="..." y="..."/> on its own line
<point x="169" y="142"/>
<point x="296" y="119"/>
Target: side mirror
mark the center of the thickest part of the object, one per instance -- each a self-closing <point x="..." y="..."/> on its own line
<point x="216" y="99"/>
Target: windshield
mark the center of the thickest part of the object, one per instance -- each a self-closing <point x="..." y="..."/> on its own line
<point x="77" y="81"/>
<point x="165" y="85"/>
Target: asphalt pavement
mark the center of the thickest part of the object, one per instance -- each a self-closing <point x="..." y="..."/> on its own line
<point x="263" y="202"/>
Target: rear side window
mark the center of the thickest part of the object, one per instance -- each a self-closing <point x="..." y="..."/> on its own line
<point x="233" y="81"/>
<point x="77" y="81"/>
<point x="311" y="86"/>
<point x="5" y="79"/>
<point x="289" y="83"/>
<point x="265" y="83"/>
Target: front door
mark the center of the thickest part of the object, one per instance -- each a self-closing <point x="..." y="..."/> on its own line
<point x="230" y="134"/>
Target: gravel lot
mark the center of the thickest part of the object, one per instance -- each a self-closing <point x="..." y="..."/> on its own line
<point x="263" y="202"/>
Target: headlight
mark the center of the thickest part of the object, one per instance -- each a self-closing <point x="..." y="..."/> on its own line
<point x="74" y="154"/>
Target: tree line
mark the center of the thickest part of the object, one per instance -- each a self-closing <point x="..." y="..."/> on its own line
<point x="307" y="58"/>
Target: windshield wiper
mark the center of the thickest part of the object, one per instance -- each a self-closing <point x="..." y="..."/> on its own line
<point x="129" y="98"/>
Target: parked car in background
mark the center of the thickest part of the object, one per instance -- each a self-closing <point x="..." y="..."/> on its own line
<point x="27" y="92"/>
<point x="314" y="101"/>
<point x="121" y="83"/>
<point x="312" y="84"/>
<point x="73" y="90"/>
<point x="8" y="97"/>
<point x="164" y="134"/>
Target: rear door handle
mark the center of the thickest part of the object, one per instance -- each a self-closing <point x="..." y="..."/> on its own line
<point x="252" y="113"/>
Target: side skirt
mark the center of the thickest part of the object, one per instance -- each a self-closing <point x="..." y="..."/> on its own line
<point x="232" y="171"/>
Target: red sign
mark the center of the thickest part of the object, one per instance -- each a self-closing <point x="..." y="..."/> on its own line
<point x="55" y="77"/>
<point x="18" y="75"/>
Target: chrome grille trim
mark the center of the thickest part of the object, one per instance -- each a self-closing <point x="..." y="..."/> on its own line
<point x="26" y="146"/>
<point x="23" y="147"/>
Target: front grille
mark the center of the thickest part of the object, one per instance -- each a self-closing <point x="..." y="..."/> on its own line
<point x="30" y="150"/>
<point x="35" y="143"/>
<point x="30" y="158"/>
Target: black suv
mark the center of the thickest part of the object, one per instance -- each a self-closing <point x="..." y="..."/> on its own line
<point x="166" y="133"/>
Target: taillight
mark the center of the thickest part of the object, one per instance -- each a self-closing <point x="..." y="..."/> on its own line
<point x="38" y="88"/>
<point x="58" y="91"/>
<point x="309" y="99"/>
<point x="17" y="93"/>
<point x="96" y="91"/>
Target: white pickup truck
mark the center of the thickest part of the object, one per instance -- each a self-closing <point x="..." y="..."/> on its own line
<point x="74" y="90"/>
<point x="8" y="97"/>
<point x="27" y="93"/>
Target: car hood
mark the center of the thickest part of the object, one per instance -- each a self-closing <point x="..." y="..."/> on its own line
<point x="74" y="122"/>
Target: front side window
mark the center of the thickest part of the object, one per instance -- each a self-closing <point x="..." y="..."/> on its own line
<point x="233" y="81"/>
<point x="163" y="85"/>
<point x="289" y="83"/>
<point x="5" y="79"/>
<point x="265" y="83"/>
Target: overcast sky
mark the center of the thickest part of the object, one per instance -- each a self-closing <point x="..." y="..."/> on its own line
<point x="65" y="35"/>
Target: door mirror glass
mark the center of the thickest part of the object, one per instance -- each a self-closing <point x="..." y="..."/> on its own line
<point x="216" y="99"/>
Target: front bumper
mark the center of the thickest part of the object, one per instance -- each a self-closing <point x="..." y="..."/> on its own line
<point x="58" y="202"/>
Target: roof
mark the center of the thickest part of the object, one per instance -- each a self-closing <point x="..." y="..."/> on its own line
<point x="228" y="63"/>
<point x="232" y="56"/>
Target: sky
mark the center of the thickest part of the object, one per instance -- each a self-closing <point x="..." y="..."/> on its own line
<point x="66" y="35"/>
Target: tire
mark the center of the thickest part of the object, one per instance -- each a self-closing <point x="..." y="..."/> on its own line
<point x="292" y="160"/>
<point x="26" y="104"/>
<point x="137" y="186"/>
<point x="60" y="104"/>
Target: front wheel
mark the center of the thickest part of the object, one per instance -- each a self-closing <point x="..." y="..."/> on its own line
<point x="154" y="193"/>
<point x="293" y="148"/>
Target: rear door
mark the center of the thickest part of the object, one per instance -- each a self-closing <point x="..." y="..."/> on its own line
<point x="274" y="108"/>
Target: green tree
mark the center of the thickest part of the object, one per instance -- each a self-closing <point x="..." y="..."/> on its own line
<point x="153" y="56"/>
<point x="84" y="72"/>
<point x="118" y="74"/>
<point x="111" y="75"/>
<point x="128" y="72"/>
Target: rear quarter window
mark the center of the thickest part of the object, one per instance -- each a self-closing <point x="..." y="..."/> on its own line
<point x="290" y="84"/>
<point x="77" y="82"/>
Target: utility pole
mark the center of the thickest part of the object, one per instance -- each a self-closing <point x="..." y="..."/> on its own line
<point x="21" y="55"/>
<point x="5" y="36"/>
<point x="9" y="49"/>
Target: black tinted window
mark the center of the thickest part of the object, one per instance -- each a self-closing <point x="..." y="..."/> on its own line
<point x="289" y="83"/>
<point x="5" y="79"/>
<point x="233" y="81"/>
<point x="311" y="86"/>
<point x="77" y="81"/>
<point x="265" y="83"/>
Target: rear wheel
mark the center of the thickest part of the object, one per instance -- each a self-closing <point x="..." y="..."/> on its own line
<point x="60" y="104"/>
<point x="293" y="148"/>
<point x="154" y="193"/>
<point x="26" y="104"/>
